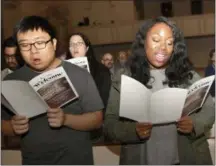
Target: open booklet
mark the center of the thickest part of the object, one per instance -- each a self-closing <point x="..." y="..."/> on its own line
<point x="51" y="89"/>
<point x="164" y="106"/>
<point x="81" y="62"/>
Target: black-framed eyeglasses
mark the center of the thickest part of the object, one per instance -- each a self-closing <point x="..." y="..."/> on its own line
<point x="38" y="45"/>
<point x="7" y="56"/>
<point x="78" y="44"/>
<point x="108" y="59"/>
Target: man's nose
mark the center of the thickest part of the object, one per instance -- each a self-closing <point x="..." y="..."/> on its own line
<point x="11" y="59"/>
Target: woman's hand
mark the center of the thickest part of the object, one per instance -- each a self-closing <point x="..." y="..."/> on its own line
<point x="185" y="125"/>
<point x="143" y="130"/>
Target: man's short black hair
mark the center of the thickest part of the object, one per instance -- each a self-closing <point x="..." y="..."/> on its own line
<point x="10" y="42"/>
<point x="34" y="23"/>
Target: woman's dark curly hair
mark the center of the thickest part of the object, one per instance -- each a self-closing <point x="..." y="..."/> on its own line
<point x="178" y="70"/>
<point x="93" y="63"/>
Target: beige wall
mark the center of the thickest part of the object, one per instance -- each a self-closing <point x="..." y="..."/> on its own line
<point x="199" y="48"/>
<point x="180" y="7"/>
<point x="209" y="6"/>
<point x="101" y="12"/>
<point x="10" y="17"/>
<point x="66" y="14"/>
<point x="151" y="9"/>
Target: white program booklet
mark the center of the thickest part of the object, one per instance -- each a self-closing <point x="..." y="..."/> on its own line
<point x="51" y="89"/>
<point x="164" y="106"/>
<point x="81" y="62"/>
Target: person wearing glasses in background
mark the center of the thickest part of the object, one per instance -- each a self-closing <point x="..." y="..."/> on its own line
<point x="107" y="61"/>
<point x="13" y="62"/>
<point x="78" y="46"/>
<point x="61" y="136"/>
<point x="12" y="57"/>
<point x="119" y="66"/>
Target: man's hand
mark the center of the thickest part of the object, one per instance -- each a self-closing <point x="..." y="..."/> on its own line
<point x="56" y="117"/>
<point x="20" y="124"/>
<point x="143" y="130"/>
<point x="185" y="125"/>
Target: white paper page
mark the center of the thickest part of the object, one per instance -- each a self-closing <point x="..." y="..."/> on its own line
<point x="81" y="62"/>
<point x="167" y="104"/>
<point x="134" y="100"/>
<point x="7" y="104"/>
<point x="23" y="98"/>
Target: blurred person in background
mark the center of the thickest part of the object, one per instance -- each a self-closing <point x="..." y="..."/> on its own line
<point x="79" y="46"/>
<point x="210" y="70"/>
<point x="122" y="62"/>
<point x="108" y="61"/>
<point x="12" y="57"/>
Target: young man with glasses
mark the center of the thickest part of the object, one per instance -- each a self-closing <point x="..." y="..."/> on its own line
<point x="61" y="136"/>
